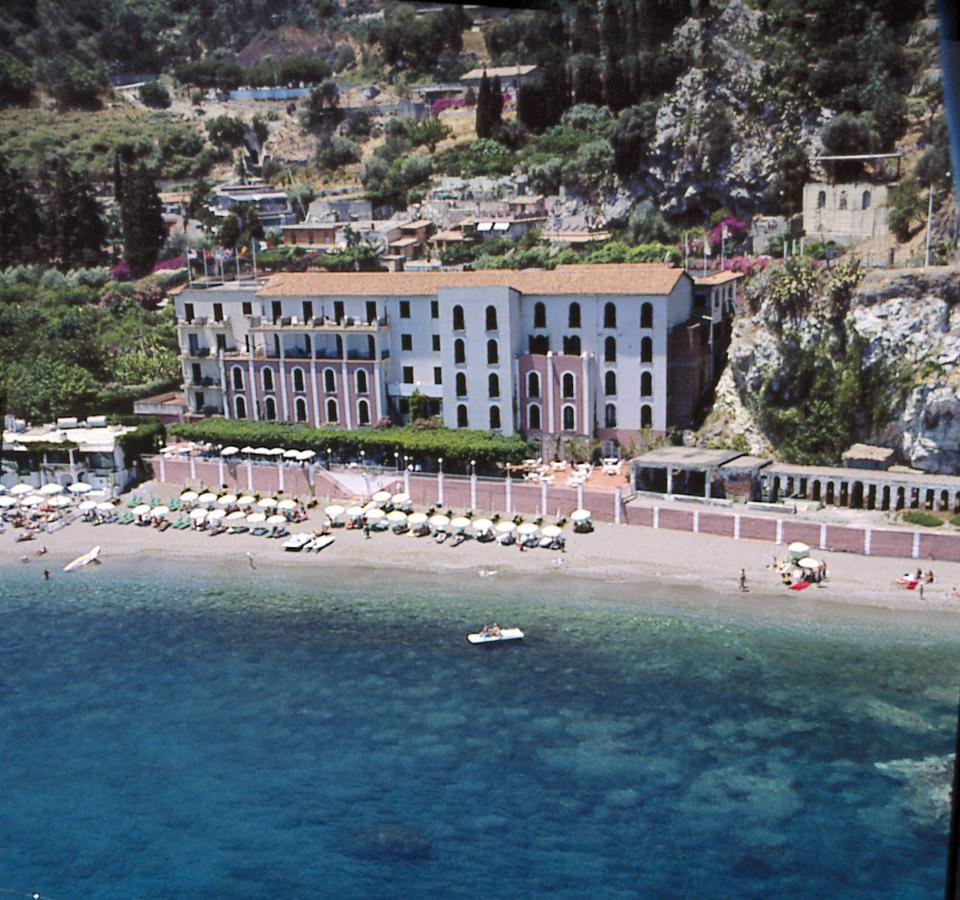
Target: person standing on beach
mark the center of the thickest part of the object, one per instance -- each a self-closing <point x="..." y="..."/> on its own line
<point x="743" y="579"/>
<point x="250" y="560"/>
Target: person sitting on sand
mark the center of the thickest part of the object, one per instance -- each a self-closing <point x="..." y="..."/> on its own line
<point x="928" y="578"/>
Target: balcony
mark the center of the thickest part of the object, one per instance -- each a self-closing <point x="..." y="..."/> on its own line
<point x="196" y="352"/>
<point x="293" y="323"/>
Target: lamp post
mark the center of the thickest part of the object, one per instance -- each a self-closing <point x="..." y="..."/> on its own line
<point x="363" y="459"/>
<point x="396" y="459"/>
<point x="329" y="455"/>
<point x="440" y="481"/>
<point x="473" y="484"/>
<point x="406" y="474"/>
<point x="508" y="499"/>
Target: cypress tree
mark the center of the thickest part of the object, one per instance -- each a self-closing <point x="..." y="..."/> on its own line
<point x="74" y="228"/>
<point x="141" y="216"/>
<point x="496" y="105"/>
<point x="19" y="221"/>
<point x="484" y="125"/>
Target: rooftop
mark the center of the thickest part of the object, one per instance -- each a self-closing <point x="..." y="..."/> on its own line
<point x="502" y="71"/>
<point x="629" y="279"/>
<point x="897" y="475"/>
<point x="718" y="278"/>
<point x="686" y="457"/>
<point x="88" y="440"/>
<point x="868" y="451"/>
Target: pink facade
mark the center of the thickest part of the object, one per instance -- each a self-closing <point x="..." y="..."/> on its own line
<point x="551" y="388"/>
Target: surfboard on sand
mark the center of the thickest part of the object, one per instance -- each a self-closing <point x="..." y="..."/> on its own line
<point x="88" y="557"/>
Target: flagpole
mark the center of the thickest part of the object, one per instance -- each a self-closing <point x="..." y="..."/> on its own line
<point x="686" y="252"/>
<point x="236" y="259"/>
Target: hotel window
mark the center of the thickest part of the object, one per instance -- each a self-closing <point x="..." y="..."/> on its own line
<point x="569" y="418"/>
<point x="188" y="311"/>
<point x="491" y="318"/>
<point x="298" y="383"/>
<point x="573" y="316"/>
<point x="237" y="374"/>
<point x="610" y="416"/>
<point x="338" y="311"/>
<point x="363" y="413"/>
<point x="533" y="417"/>
<point x="493" y="353"/>
<point x="300" y="409"/>
<point x="246" y="308"/>
<point x="821" y="199"/>
<point x="307" y="310"/>
<point x="217" y="312"/>
<point x="646" y="416"/>
<point x="332" y="415"/>
<point x="459" y="352"/>
<point x="610" y="350"/>
<point x="330" y="381"/>
<point x="371" y="311"/>
<point x="494" y="418"/>
<point x="462" y="420"/>
<point x="571" y="345"/>
<point x="461" y="384"/>
<point x="408" y="374"/>
<point x="404" y="309"/>
<point x="241" y="407"/>
<point x="610" y="315"/>
<point x="270" y="409"/>
<point x="646" y="315"/>
<point x="362" y="381"/>
<point x="276" y="308"/>
<point x="267" y="376"/>
<point x="646" y="350"/>
<point x="646" y="384"/>
<point x="539" y="344"/>
<point x="458" y="318"/>
<point x="371" y="347"/>
<point x="434" y="309"/>
<point x="436" y="343"/>
<point x="865" y="200"/>
<point x="438" y="375"/>
<point x="539" y="315"/>
<point x="843" y="200"/>
<point x="569" y="385"/>
<point x="610" y="384"/>
<point x="406" y="342"/>
<point x="533" y="384"/>
<point x="493" y="386"/>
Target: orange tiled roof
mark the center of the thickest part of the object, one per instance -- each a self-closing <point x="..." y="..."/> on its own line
<point x="637" y="278"/>
<point x="718" y="278"/>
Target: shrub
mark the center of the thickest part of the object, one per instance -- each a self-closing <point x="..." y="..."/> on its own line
<point x="153" y="93"/>
<point x="917" y="517"/>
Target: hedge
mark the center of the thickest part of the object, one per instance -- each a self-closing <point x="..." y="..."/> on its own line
<point x="915" y="517"/>
<point x="456" y="447"/>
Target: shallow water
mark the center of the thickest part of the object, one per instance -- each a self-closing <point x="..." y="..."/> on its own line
<point x="166" y="733"/>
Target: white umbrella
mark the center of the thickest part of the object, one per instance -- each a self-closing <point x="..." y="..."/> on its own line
<point x="401" y="498"/>
<point x="198" y="515"/>
<point x="247" y="450"/>
<point x="381" y="497"/>
<point x="266" y="503"/>
<point x="306" y="454"/>
<point x="505" y="527"/>
<point x="808" y="562"/>
<point x="396" y="517"/>
<point x="354" y="512"/>
<point x="439" y="521"/>
<point x="527" y="528"/>
<point x="51" y="488"/>
<point x="276" y="451"/>
<point x="580" y="515"/>
<point x="276" y="520"/>
<point x="141" y="510"/>
<point x="254" y="518"/>
<point x="59" y="502"/>
<point x="287" y="504"/>
<point x="229" y="451"/>
<point x="334" y="510"/>
<point x="798" y="550"/>
<point x="158" y="512"/>
<point x="22" y="488"/>
<point x="416" y="519"/>
<point x="482" y="525"/>
<point x="236" y="515"/>
<point x="291" y="454"/>
<point x="368" y="506"/>
<point x="551" y="531"/>
<point x="32" y="500"/>
<point x="227" y="500"/>
<point x="79" y="487"/>
<point x="105" y="507"/>
<point x="188" y="496"/>
<point x="459" y="523"/>
<point x="99" y="492"/>
<point x="87" y="505"/>
<point x="262" y="451"/>
<point x="246" y="500"/>
<point x="216" y="515"/>
<point x="207" y="497"/>
<point x="7" y="501"/>
<point x="375" y="514"/>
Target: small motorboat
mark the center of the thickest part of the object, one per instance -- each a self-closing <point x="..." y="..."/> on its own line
<point x="297" y="542"/>
<point x="88" y="557"/>
<point x="322" y="542"/>
<point x="490" y="637"/>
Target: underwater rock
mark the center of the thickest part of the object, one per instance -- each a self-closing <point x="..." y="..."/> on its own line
<point x="389" y="843"/>
<point x="928" y="783"/>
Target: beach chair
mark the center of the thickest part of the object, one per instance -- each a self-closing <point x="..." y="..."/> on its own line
<point x="174" y="505"/>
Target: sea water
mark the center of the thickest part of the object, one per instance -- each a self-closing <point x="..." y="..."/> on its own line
<point x="179" y="731"/>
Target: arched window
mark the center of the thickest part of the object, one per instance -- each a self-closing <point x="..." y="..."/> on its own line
<point x="267" y="376"/>
<point x="610" y="315"/>
<point x="240" y="404"/>
<point x="462" y="421"/>
<point x="533" y="417"/>
<point x="610" y="384"/>
<point x="300" y="409"/>
<point x="646" y="384"/>
<point x="539" y="344"/>
<point x="330" y="381"/>
<point x="491" y="318"/>
<point x="493" y="385"/>
<point x="298" y="382"/>
<point x="362" y="387"/>
<point x="571" y="345"/>
<point x="610" y="416"/>
<point x="646" y="416"/>
<point x="646" y="315"/>
<point x="533" y="384"/>
<point x="821" y="199"/>
<point x="573" y="316"/>
<point x="270" y="409"/>
<point x="461" y="384"/>
<point x="866" y="200"/>
<point x="363" y="413"/>
<point x="332" y="414"/>
<point x="237" y="375"/>
<point x="646" y="350"/>
<point x="459" y="352"/>
<point x="494" y="418"/>
<point x="493" y="353"/>
<point x="569" y="418"/>
<point x="843" y="200"/>
<point x="610" y="350"/>
<point x="458" y="318"/>
<point x="569" y="385"/>
<point x="539" y="315"/>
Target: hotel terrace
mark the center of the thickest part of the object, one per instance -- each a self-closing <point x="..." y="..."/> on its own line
<point x="593" y="351"/>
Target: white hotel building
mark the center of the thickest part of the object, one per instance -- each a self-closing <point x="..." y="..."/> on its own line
<point x="598" y="351"/>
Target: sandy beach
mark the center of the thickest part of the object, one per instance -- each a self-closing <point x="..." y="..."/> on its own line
<point x="611" y="553"/>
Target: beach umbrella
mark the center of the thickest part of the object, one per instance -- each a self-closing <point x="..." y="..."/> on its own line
<point x="246" y="500"/>
<point x="276" y="520"/>
<point x="798" y="550"/>
<point x="32" y="500"/>
<point x="527" y="528"/>
<point x="87" y="505"/>
<point x="21" y="488"/>
<point x="439" y="521"/>
<point x="79" y="487"/>
<point x="216" y="515"/>
<point x="207" y="497"/>
<point x="354" y="512"/>
<point x="227" y="500"/>
<point x="334" y="510"/>
<point x="374" y="515"/>
<point x="459" y="523"/>
<point x="808" y="562"/>
<point x="416" y="519"/>
<point x="99" y="493"/>
<point x="304" y="455"/>
<point x="105" y="507"/>
<point x="381" y="497"/>
<point x="266" y="503"/>
<point x="287" y="504"/>
<point x="580" y="515"/>
<point x="229" y="451"/>
<point x="291" y="454"/>
<point x="247" y="450"/>
<point x="6" y="502"/>
<point x="59" y="502"/>
<point x="257" y="517"/>
<point x="198" y="515"/>
<point x="141" y="510"/>
<point x="505" y="527"/>
<point x="51" y="488"/>
<point x="480" y="526"/>
<point x="236" y="515"/>
<point x="396" y="517"/>
<point x="276" y="451"/>
<point x="402" y="499"/>
<point x="262" y="451"/>
<point x="158" y="512"/>
<point x="551" y="531"/>
<point x="188" y="496"/>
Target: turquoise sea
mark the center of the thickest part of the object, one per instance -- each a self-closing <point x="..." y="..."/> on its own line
<point x="180" y="731"/>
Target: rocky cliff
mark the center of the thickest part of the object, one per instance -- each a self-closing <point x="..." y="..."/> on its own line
<point x="821" y="358"/>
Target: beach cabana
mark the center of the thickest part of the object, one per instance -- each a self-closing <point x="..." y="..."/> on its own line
<point x="396" y="517"/>
<point x="415" y="520"/>
<point x="374" y="515"/>
<point x="276" y="520"/>
<point x="581" y="520"/>
<point x="103" y="506"/>
<point x="198" y="515"/>
<point x="527" y="529"/>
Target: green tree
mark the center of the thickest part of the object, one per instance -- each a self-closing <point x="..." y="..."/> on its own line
<point x="429" y="132"/>
<point x="907" y="208"/>
<point x="849" y="135"/>
<point x="241" y="226"/>
<point x="496" y="105"/>
<point x="16" y="81"/>
<point x="153" y="93"/>
<point x="141" y="217"/>
<point x="226" y="131"/>
<point x="484" y="121"/>
<point x="19" y="221"/>
<point x="73" y="84"/>
<point x="321" y="109"/>
<point x="74" y="229"/>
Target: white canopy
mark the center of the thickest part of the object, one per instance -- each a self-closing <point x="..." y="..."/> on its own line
<point x="6" y="501"/>
<point x="229" y="451"/>
<point x="276" y="451"/>
<point x="396" y="517"/>
<point x="808" y="562"/>
<point x="51" y="488"/>
<point x="291" y="454"/>
<point x="59" y="502"/>
<point x="261" y="451"/>
<point x="381" y="497"/>
<point x="141" y="510"/>
<point x="266" y="503"/>
<point x="505" y="527"/>
<point x="87" y="505"/>
<point x="459" y="523"/>
<point x="304" y="455"/>
<point x="416" y="519"/>
<point x="79" y="487"/>
<point x="526" y="528"/>
<point x="255" y="518"/>
<point x="159" y="512"/>
<point x="439" y="521"/>
<point x="227" y="500"/>
<point x="198" y="515"/>
<point x="580" y="515"/>
<point x="375" y="514"/>
<point x="32" y="500"/>
<point x="354" y="512"/>
<point x="334" y="510"/>
<point x="207" y="497"/>
<point x="276" y="520"/>
<point x="105" y="506"/>
<point x="22" y="488"/>
<point x="246" y="500"/>
<point x="189" y="496"/>
<point x="799" y="549"/>
<point x="236" y="515"/>
<point x="287" y="504"/>
<point x="215" y="515"/>
<point x="551" y="531"/>
<point x="482" y="525"/>
<point x="247" y="449"/>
